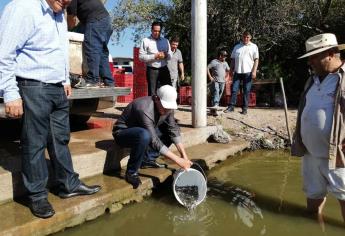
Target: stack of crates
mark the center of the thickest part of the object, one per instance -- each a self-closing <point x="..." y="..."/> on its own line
<point x="185" y="95"/>
<point x="139" y="72"/>
<point x="124" y="80"/>
<point x="251" y="102"/>
<point x="225" y="100"/>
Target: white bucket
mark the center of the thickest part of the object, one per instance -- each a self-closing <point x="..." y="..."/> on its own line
<point x="190" y="187"/>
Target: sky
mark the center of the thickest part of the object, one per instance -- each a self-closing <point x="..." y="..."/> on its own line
<point x="125" y="49"/>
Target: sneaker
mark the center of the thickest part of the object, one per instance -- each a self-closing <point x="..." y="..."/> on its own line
<point x="244" y="112"/>
<point x="229" y="109"/>
<point x="133" y="179"/>
<point x="87" y="84"/>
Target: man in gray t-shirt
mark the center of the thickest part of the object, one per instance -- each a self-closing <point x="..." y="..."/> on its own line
<point x="176" y="62"/>
<point x="217" y="71"/>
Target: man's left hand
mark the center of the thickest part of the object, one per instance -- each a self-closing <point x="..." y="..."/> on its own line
<point x="68" y="90"/>
<point x="253" y="75"/>
<point x="182" y="77"/>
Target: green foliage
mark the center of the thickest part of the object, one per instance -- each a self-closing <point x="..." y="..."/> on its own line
<point x="279" y="28"/>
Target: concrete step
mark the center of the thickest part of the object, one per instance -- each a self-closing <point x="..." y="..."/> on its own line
<point x="93" y="153"/>
<point x="16" y="219"/>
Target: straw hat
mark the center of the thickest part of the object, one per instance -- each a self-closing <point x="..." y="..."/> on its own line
<point x="320" y="43"/>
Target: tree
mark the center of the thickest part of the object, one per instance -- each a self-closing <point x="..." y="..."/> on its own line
<point x="279" y="27"/>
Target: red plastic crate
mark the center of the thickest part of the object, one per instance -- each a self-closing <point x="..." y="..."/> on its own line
<point x="125" y="99"/>
<point x="252" y="99"/>
<point x="140" y="91"/>
<point x="185" y="95"/>
<point x="225" y="100"/>
<point x="124" y="80"/>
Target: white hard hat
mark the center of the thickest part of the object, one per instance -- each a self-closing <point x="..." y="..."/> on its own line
<point x="168" y="96"/>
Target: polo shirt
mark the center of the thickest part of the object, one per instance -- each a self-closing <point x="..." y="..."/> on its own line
<point x="173" y="63"/>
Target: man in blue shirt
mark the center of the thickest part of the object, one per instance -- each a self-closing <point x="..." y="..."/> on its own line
<point x="34" y="78"/>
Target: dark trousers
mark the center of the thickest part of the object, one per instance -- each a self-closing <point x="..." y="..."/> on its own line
<point x="246" y="78"/>
<point x="138" y="140"/>
<point x="96" y="37"/>
<point x="45" y="123"/>
<point x="157" y="77"/>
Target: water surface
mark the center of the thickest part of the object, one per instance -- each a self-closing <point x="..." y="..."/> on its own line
<point x="257" y="193"/>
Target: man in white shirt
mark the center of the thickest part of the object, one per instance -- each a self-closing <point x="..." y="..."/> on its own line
<point x="320" y="129"/>
<point x="244" y="64"/>
<point x="155" y="52"/>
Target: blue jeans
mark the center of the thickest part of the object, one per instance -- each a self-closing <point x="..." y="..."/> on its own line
<point x="138" y="140"/>
<point x="246" y="79"/>
<point x="96" y="37"/>
<point x="45" y="124"/>
<point x="217" y="90"/>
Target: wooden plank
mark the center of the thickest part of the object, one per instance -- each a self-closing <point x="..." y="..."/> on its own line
<point x="86" y="93"/>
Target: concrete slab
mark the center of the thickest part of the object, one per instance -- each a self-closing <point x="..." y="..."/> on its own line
<point x="93" y="152"/>
<point x="16" y="219"/>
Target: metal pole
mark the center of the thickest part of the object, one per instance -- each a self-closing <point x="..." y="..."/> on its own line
<point x="285" y="109"/>
<point x="199" y="63"/>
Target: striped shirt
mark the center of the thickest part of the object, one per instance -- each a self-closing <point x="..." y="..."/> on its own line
<point x="150" y="46"/>
<point x="33" y="45"/>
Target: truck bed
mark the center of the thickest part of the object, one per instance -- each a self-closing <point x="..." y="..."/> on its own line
<point x="86" y="93"/>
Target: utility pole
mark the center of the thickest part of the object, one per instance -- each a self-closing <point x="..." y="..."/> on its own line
<point x="199" y="63"/>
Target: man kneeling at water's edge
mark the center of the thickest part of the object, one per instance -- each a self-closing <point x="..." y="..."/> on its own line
<point x="148" y="127"/>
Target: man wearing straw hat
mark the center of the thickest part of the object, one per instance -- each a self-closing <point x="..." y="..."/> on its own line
<point x="147" y="126"/>
<point x="320" y="129"/>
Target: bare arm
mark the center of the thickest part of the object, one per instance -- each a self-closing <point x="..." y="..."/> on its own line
<point x="209" y="74"/>
<point x="181" y="67"/>
<point x="71" y="21"/>
<point x="255" y="68"/>
<point x="181" y="161"/>
<point x="232" y="66"/>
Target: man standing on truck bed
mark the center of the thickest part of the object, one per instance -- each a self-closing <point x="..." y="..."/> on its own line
<point x="34" y="77"/>
<point x="96" y="26"/>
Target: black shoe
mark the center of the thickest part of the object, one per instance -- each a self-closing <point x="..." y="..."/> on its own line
<point x="108" y="85"/>
<point x="229" y="109"/>
<point x="82" y="189"/>
<point x="41" y="208"/>
<point x="133" y="179"/>
<point x="244" y="112"/>
<point x="152" y="164"/>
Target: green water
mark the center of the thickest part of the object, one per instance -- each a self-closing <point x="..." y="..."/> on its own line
<point x="258" y="193"/>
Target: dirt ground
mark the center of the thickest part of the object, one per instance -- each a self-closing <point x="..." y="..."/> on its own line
<point x="264" y="127"/>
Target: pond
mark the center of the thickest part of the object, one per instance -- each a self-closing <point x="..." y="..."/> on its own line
<point x="257" y="193"/>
